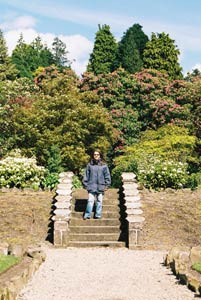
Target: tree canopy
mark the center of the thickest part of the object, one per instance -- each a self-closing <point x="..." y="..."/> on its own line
<point x="7" y="68"/>
<point x="162" y="54"/>
<point x="131" y="48"/>
<point x="103" y="57"/>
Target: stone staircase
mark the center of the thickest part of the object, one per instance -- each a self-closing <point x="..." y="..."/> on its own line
<point x="108" y="231"/>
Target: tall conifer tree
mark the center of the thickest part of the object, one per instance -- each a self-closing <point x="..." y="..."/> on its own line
<point x="130" y="49"/>
<point x="103" y="57"/>
<point x="162" y="54"/>
<point x="59" y="52"/>
<point x="7" y="68"/>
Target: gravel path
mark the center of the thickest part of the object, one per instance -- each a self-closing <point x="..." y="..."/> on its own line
<point x="104" y="274"/>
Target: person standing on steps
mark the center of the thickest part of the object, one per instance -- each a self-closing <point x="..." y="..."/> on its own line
<point x="96" y="180"/>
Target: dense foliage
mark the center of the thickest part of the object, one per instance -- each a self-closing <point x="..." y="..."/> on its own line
<point x="162" y="158"/>
<point x="7" y="68"/>
<point x="21" y="172"/>
<point x="161" y="54"/>
<point x="131" y="48"/>
<point x="104" y="52"/>
<point x="144" y="120"/>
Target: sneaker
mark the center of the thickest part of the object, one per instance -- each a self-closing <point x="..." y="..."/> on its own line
<point x="85" y="218"/>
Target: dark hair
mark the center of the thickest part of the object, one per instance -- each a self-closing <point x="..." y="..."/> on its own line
<point x="96" y="150"/>
<point x="101" y="155"/>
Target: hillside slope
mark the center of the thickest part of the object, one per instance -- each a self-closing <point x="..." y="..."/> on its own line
<point x="171" y="217"/>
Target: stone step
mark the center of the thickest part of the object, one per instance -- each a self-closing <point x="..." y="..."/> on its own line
<point x="95" y="222"/>
<point x="106" y="215"/>
<point x="82" y="193"/>
<point x="83" y="202"/>
<point x="94" y="229"/>
<point x="94" y="237"/>
<point x="104" y="232"/>
<point x="112" y="244"/>
<point x="106" y="208"/>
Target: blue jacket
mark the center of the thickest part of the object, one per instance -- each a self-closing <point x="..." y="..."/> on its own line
<point x="96" y="177"/>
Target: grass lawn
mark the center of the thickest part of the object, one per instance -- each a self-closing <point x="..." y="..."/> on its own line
<point x="7" y="261"/>
<point x="197" y="266"/>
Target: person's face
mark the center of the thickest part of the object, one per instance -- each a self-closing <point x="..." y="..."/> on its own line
<point x="96" y="155"/>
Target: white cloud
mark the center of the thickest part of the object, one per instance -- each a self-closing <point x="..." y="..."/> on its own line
<point x="12" y="36"/>
<point x="19" y="22"/>
<point x="186" y="37"/>
<point x="67" y="12"/>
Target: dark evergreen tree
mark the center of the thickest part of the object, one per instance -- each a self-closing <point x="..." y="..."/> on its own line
<point x="59" y="52"/>
<point x="130" y="49"/>
<point x="103" y="57"/>
<point x="28" y="58"/>
<point x="22" y="57"/>
<point x="7" y="68"/>
<point x="43" y="57"/>
<point x="162" y="54"/>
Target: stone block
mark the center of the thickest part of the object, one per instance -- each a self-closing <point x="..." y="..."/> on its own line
<point x="195" y="254"/>
<point x="128" y="176"/>
<point x="131" y="192"/>
<point x="132" y="199"/>
<point x="63" y="204"/>
<point x="61" y="198"/>
<point x="135" y="221"/>
<point x="16" y="250"/>
<point x="194" y="281"/>
<point x="130" y="205"/>
<point x="64" y="186"/>
<point x="65" y="180"/>
<point x="62" y="212"/>
<point x="174" y="253"/>
<point x="64" y="192"/>
<point x="61" y="218"/>
<point x="134" y="211"/>
<point x="4" y="248"/>
<point x="134" y="238"/>
<point x="60" y="238"/>
<point x="130" y="185"/>
<point x="61" y="225"/>
<point x="66" y="175"/>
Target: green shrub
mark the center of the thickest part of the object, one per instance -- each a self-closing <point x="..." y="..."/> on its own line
<point x="19" y="171"/>
<point x="77" y="183"/>
<point x="50" y="181"/>
<point x="163" y="174"/>
<point x="123" y="166"/>
<point x="194" y="181"/>
<point x="160" y="159"/>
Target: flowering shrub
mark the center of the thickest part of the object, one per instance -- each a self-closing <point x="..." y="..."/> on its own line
<point x="19" y="88"/>
<point x="18" y="171"/>
<point x="160" y="159"/>
<point x="163" y="174"/>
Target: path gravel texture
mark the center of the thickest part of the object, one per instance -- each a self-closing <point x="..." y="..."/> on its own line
<point x="104" y="274"/>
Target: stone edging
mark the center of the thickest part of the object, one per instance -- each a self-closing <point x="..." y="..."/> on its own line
<point x="20" y="274"/>
<point x="180" y="260"/>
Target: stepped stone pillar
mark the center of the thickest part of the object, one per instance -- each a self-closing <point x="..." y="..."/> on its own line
<point x="62" y="212"/>
<point x="133" y="209"/>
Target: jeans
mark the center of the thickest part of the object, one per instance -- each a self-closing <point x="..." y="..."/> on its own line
<point x="98" y="199"/>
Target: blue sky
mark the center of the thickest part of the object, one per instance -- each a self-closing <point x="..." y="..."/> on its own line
<point x="76" y="23"/>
